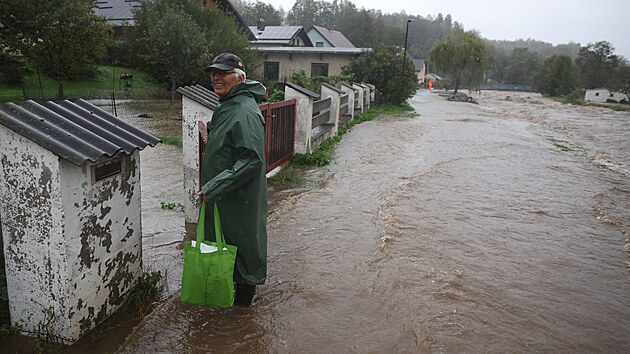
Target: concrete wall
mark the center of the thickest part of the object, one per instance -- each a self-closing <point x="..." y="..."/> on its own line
<point x="34" y="246"/>
<point x="290" y="63"/>
<point x="192" y="112"/>
<point x="103" y="231"/>
<point x="72" y="247"/>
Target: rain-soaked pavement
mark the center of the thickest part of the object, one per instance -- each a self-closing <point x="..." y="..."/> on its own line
<point x="498" y="227"/>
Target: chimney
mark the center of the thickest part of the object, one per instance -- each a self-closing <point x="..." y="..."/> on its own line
<point x="261" y="25"/>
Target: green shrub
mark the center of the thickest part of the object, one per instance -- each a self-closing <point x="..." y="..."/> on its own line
<point x="575" y="97"/>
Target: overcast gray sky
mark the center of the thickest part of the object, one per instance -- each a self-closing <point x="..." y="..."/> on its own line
<point x="552" y="21"/>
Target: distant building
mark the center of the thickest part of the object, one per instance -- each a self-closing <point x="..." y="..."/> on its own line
<point x="603" y="95"/>
<point x="279" y="63"/>
<point x="289" y="49"/>
<point x="421" y="69"/>
<point x="120" y="13"/>
<point x="117" y="13"/>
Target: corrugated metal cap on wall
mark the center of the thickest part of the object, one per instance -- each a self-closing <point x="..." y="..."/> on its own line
<point x="76" y="131"/>
<point x="201" y="95"/>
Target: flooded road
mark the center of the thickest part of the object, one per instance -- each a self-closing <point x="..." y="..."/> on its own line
<point x="498" y="227"/>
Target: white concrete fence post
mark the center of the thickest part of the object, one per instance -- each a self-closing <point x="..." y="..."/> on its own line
<point x="367" y="95"/>
<point x="303" y="116"/>
<point x="360" y="89"/>
<point x="198" y="104"/>
<point x="335" y="94"/>
<point x="372" y="92"/>
<point x="347" y="88"/>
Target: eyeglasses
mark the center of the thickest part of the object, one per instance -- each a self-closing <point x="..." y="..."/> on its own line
<point x="220" y="73"/>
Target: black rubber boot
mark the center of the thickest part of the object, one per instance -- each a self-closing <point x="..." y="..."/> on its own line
<point x="244" y="294"/>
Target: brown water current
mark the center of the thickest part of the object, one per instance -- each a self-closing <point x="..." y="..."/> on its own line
<point x="498" y="227"/>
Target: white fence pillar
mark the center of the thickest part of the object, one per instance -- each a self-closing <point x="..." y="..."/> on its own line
<point x="303" y="115"/>
<point x="361" y="91"/>
<point x="372" y="92"/>
<point x="335" y="94"/>
<point x="347" y="88"/>
<point x="198" y="104"/>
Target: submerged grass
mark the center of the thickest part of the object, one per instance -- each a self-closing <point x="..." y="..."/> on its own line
<point x="171" y="140"/>
<point x="577" y="98"/>
<point x="323" y="155"/>
<point x="106" y="81"/>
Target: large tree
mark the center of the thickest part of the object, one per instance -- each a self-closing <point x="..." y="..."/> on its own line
<point x="621" y="81"/>
<point x="174" y="40"/>
<point x="63" y="37"/>
<point x="522" y="67"/>
<point x="461" y="56"/>
<point x="169" y="44"/>
<point x="557" y="77"/>
<point x="383" y="68"/>
<point x="260" y="11"/>
<point x="597" y="64"/>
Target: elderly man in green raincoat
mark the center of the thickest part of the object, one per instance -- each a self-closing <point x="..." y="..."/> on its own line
<point x="233" y="172"/>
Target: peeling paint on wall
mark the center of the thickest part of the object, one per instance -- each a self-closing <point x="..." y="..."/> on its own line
<point x="192" y="112"/>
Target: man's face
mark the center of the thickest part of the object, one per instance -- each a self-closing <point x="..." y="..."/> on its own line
<point x="223" y="81"/>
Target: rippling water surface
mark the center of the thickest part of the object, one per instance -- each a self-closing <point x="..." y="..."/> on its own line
<point x="498" y="227"/>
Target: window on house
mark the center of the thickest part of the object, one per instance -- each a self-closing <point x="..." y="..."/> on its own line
<point x="272" y="70"/>
<point x="319" y="44"/>
<point x="596" y="93"/>
<point x="319" y="69"/>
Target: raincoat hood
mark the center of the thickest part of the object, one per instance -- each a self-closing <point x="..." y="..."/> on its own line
<point x="248" y="87"/>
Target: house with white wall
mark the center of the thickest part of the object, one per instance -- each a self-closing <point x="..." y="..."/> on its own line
<point x="279" y="63"/>
<point x="603" y="95"/>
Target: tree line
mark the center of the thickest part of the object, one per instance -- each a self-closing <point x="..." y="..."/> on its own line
<point x="173" y="40"/>
<point x="464" y="57"/>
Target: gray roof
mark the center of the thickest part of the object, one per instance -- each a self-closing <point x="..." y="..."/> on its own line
<point x="316" y="50"/>
<point x="335" y="38"/>
<point x="116" y="12"/>
<point x="418" y="63"/>
<point x="120" y="12"/>
<point x="201" y="95"/>
<point x="76" y="131"/>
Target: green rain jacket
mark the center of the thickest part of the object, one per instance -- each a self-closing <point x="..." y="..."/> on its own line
<point x="233" y="176"/>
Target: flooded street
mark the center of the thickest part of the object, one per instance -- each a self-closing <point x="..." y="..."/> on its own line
<point x="498" y="227"/>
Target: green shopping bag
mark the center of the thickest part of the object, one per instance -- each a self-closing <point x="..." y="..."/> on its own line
<point x="207" y="279"/>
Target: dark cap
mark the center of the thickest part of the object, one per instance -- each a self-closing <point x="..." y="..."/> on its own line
<point x="226" y="62"/>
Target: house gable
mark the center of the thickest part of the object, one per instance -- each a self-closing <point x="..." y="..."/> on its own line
<point x="329" y="38"/>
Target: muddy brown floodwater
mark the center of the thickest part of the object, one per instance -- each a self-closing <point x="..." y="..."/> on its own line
<point x="498" y="227"/>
